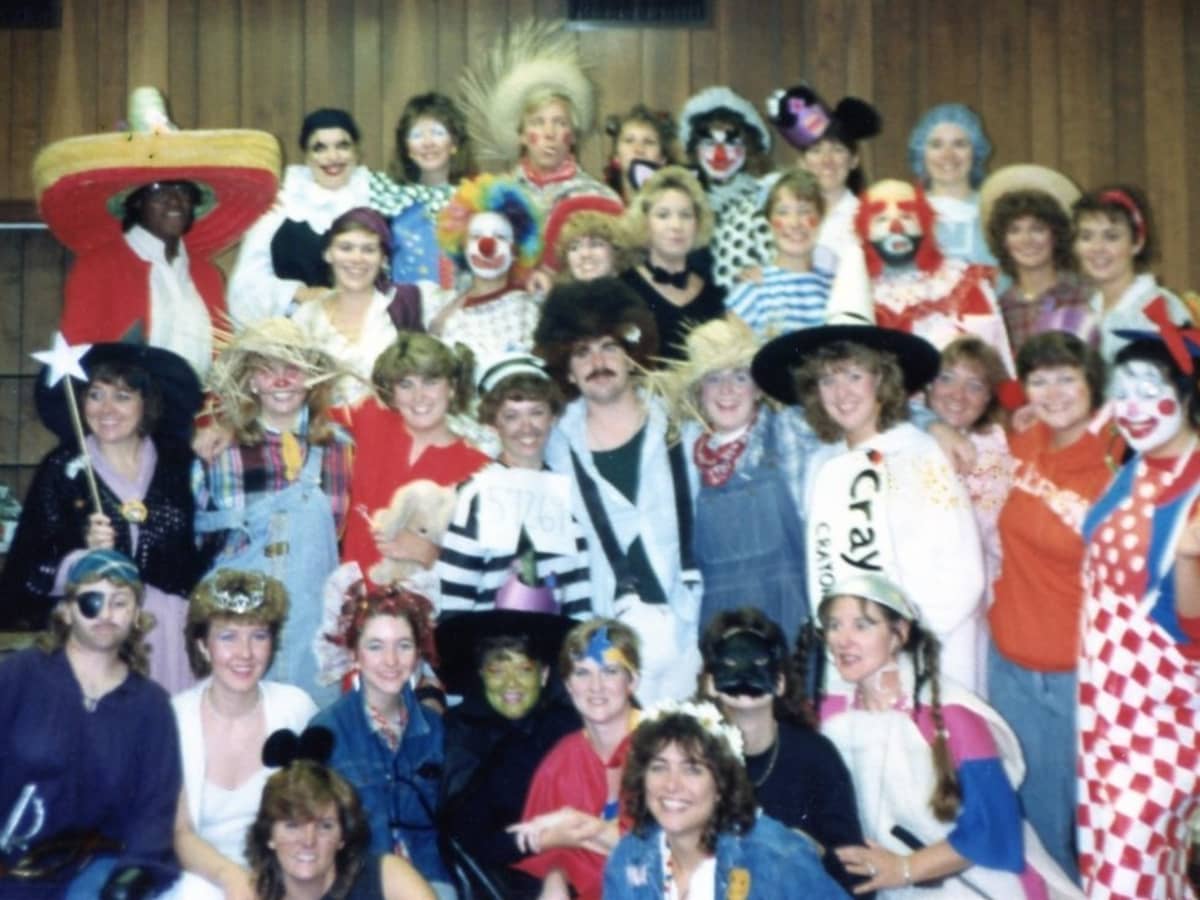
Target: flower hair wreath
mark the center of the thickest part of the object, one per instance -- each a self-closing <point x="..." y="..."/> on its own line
<point x="706" y="714"/>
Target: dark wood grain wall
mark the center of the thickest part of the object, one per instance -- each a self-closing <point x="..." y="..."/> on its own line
<point x="1103" y="89"/>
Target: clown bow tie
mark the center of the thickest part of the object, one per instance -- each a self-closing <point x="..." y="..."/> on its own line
<point x="662" y="276"/>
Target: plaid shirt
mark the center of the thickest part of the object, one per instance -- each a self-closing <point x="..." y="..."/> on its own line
<point x="245" y="472"/>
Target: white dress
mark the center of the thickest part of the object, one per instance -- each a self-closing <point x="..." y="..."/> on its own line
<point x="377" y="334"/>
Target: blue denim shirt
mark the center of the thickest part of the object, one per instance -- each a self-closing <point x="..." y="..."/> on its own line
<point x="768" y="862"/>
<point x="399" y="791"/>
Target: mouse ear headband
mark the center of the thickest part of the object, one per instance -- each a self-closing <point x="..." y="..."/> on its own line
<point x="284" y="747"/>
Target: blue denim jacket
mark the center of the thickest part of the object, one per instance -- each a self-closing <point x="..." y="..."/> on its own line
<point x="769" y="862"/>
<point x="401" y="787"/>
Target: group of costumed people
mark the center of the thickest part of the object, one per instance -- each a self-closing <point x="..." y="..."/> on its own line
<point x="697" y="531"/>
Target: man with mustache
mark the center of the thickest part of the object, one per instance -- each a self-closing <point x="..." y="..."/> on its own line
<point x="89" y="755"/>
<point x="630" y="491"/>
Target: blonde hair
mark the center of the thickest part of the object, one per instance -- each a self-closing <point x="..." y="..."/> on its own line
<point x="668" y="178"/>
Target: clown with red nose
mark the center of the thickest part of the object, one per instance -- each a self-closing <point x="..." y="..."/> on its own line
<point x="915" y="288"/>
<point x="490" y="229"/>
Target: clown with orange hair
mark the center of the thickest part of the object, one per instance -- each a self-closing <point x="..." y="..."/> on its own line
<point x="915" y="288"/>
<point x="492" y="229"/>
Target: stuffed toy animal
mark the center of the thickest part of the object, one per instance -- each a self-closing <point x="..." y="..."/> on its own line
<point x="422" y="507"/>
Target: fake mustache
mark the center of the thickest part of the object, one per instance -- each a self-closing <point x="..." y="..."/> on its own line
<point x="600" y="373"/>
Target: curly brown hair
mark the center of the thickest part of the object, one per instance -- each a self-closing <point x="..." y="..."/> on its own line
<point x="301" y="792"/>
<point x="981" y="356"/>
<point x="890" y="394"/>
<point x="736" y="807"/>
<point x="1052" y="349"/>
<point x="1038" y="205"/>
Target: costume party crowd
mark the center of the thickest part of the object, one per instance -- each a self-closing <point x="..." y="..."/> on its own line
<point x="686" y="530"/>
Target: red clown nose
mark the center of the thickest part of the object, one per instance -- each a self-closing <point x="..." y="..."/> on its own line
<point x="487" y="246"/>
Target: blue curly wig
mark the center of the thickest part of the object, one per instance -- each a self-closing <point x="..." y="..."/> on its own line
<point x="953" y="114"/>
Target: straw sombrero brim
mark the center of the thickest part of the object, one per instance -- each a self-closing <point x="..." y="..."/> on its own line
<point x="1026" y="177"/>
<point x="457" y="639"/>
<point x="180" y="387"/>
<point x="81" y="182"/>
<point x="775" y="363"/>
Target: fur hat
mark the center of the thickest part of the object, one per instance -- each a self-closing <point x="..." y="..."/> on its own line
<point x="600" y="211"/>
<point x="586" y="310"/>
<point x="802" y="118"/>
<point x="534" y="56"/>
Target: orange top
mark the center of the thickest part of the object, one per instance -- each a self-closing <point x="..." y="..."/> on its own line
<point x="1035" y="619"/>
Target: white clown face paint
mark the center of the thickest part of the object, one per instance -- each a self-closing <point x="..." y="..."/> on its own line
<point x="489" y="245"/>
<point x="1147" y="409"/>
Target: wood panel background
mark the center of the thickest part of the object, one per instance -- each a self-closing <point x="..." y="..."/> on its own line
<point x="1102" y="89"/>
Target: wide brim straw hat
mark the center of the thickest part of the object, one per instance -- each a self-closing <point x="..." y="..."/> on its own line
<point x="712" y="346"/>
<point x="81" y="183"/>
<point x="1026" y="177"/>
<point x="278" y="339"/>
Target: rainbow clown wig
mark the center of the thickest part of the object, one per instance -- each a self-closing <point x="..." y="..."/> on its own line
<point x="492" y="193"/>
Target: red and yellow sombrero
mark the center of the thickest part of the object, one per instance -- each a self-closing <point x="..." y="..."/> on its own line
<point x="81" y="183"/>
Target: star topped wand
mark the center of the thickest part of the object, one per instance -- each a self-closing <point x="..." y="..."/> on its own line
<point x="62" y="362"/>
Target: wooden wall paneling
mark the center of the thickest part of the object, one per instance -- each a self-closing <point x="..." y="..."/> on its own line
<point x="520" y="10"/>
<point x="112" y="66"/>
<point x="897" y="73"/>
<point x="272" y="69"/>
<point x="368" y="79"/>
<point x="616" y="59"/>
<point x="69" y="70"/>
<point x="28" y="102"/>
<point x="328" y="66"/>
<point x="8" y="88"/>
<point x="1163" y="102"/>
<point x="1191" y="115"/>
<point x="486" y="24"/>
<point x="1129" y="98"/>
<point x="1004" y="82"/>
<point x="703" y="62"/>
<point x="183" y="87"/>
<point x="951" y="47"/>
<point x="44" y="264"/>
<point x="829" y="30"/>
<point x="148" y="43"/>
<point x="10" y="429"/>
<point x="1045" y="76"/>
<point x="860" y="54"/>
<point x="451" y="50"/>
<point x="410" y="38"/>
<point x="219" y="68"/>
<point x="660" y="75"/>
<point x="34" y="439"/>
<point x="11" y="294"/>
<point x="747" y="52"/>
<point x="1086" y="91"/>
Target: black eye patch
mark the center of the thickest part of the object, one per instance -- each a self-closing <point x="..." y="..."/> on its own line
<point x="90" y="603"/>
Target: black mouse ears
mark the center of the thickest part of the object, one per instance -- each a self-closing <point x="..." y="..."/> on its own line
<point x="284" y="746"/>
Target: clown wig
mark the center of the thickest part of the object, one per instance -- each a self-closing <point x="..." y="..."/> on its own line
<point x="492" y="193"/>
<point x="929" y="256"/>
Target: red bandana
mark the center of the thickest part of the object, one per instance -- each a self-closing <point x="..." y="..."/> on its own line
<point x="563" y="173"/>
<point x="716" y="464"/>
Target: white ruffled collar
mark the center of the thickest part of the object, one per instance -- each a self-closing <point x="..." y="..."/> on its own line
<point x="304" y="200"/>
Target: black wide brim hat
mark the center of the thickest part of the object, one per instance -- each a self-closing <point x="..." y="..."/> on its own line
<point x="176" y="380"/>
<point x="458" y="639"/>
<point x="774" y="365"/>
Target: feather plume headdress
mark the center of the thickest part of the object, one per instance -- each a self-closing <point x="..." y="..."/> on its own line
<point x="534" y="56"/>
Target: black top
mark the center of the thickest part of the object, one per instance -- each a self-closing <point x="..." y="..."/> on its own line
<point x="297" y="254"/>
<point x="369" y="883"/>
<point x="806" y="785"/>
<point x="673" y="321"/>
<point x="55" y="516"/>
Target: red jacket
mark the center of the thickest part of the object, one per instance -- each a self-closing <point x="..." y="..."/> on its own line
<point x="107" y="295"/>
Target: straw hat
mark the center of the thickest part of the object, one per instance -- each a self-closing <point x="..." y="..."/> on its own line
<point x="81" y="183"/>
<point x="712" y="346"/>
<point x="1025" y="177"/>
<point x="275" y="339"/>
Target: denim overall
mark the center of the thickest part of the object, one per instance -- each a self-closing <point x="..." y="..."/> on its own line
<point x="298" y="518"/>
<point x="750" y="542"/>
